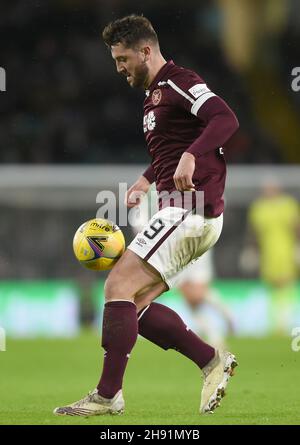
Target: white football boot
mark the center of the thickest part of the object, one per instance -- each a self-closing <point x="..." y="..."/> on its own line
<point x="216" y="376"/>
<point x="93" y="405"/>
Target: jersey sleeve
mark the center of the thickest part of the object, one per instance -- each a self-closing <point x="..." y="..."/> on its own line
<point x="149" y="174"/>
<point x="190" y="91"/>
<point x="219" y="121"/>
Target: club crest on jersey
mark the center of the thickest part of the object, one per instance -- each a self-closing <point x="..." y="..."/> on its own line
<point x="156" y="96"/>
<point x="149" y="121"/>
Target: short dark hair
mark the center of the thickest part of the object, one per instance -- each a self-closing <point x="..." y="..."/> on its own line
<point x="129" y="31"/>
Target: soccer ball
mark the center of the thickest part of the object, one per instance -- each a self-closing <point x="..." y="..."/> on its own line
<point x="98" y="244"/>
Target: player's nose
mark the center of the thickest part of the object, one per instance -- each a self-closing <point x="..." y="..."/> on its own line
<point x="121" y="69"/>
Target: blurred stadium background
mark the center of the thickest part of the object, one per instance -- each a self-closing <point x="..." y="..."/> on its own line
<point x="70" y="127"/>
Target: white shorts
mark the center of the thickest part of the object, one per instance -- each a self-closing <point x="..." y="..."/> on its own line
<point x="173" y="238"/>
<point x="199" y="271"/>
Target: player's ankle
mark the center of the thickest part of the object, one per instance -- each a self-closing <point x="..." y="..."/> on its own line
<point x="211" y="363"/>
<point x="106" y="395"/>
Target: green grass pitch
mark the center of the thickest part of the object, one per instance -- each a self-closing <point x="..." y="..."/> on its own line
<point x="160" y="387"/>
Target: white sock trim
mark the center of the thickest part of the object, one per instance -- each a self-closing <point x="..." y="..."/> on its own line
<point x="129" y="301"/>
<point x="147" y="307"/>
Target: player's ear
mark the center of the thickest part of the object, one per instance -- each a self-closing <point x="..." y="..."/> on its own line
<point x="146" y="51"/>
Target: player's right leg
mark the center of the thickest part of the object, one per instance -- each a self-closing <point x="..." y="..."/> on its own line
<point x="134" y="281"/>
<point x="130" y="276"/>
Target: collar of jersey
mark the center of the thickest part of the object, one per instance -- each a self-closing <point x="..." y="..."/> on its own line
<point x="161" y="73"/>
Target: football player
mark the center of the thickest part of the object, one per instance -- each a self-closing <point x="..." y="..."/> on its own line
<point x="185" y="126"/>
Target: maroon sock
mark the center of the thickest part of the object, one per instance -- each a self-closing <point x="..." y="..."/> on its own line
<point x="119" y="334"/>
<point x="162" y="326"/>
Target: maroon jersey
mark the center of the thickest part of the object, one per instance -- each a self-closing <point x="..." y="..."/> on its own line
<point x="182" y="114"/>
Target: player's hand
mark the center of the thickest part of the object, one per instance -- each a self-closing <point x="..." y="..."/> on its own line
<point x="136" y="192"/>
<point x="183" y="176"/>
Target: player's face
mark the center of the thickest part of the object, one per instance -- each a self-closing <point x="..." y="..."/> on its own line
<point x="131" y="63"/>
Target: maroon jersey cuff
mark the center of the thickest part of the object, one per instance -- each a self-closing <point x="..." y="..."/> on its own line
<point x="149" y="174"/>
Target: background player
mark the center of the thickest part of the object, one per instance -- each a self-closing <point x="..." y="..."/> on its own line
<point x="185" y="125"/>
<point x="274" y="227"/>
<point x="206" y="306"/>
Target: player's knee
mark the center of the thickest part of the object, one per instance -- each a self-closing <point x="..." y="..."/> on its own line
<point x="115" y="289"/>
<point x="111" y="289"/>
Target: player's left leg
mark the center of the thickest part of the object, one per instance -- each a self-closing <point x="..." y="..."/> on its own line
<point x="130" y="276"/>
<point x="163" y="326"/>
